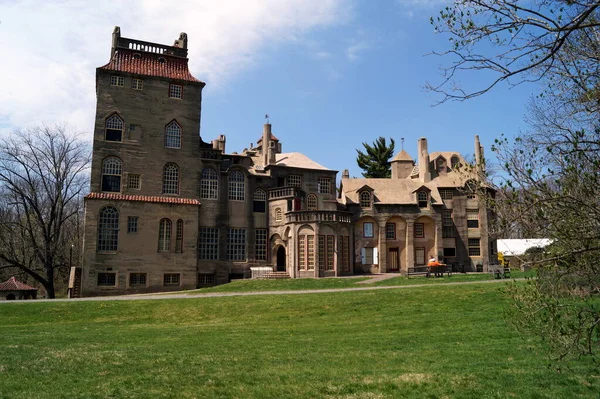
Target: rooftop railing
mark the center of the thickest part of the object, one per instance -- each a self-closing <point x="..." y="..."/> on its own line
<point x="319" y="216"/>
<point x="140" y="45"/>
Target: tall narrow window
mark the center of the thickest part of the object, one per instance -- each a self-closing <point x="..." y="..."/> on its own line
<point x="310" y="246"/>
<point x="259" y="201"/>
<point x="311" y="202"/>
<point x="164" y="235"/>
<point x="390" y="231"/>
<point x="171" y="179"/>
<point x="113" y="128"/>
<point x="330" y="252"/>
<point x="419" y="230"/>
<point x="173" y="135"/>
<point x="302" y="252"/>
<point x="179" y="236"/>
<point x="423" y="199"/>
<point x="368" y="229"/>
<point x="365" y="199"/>
<point x="236" y="244"/>
<point x="343" y="253"/>
<point x="324" y="185"/>
<point x="447" y="224"/>
<point x="209" y="186"/>
<point x="132" y="224"/>
<point x="108" y="229"/>
<point x="208" y="246"/>
<point x="260" y="237"/>
<point x="111" y="174"/>
<point x="236" y="186"/>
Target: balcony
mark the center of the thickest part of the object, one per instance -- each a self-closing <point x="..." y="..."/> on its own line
<point x="319" y="216"/>
<point x="284" y="192"/>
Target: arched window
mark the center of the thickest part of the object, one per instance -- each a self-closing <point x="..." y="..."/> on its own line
<point x="113" y="128"/>
<point x="365" y="199"/>
<point x="164" y="235"/>
<point x="278" y="215"/>
<point x="179" y="236"/>
<point x="171" y="179"/>
<point x="423" y="199"/>
<point x="454" y="161"/>
<point x="209" y="185"/>
<point x="173" y="135"/>
<point x="311" y="202"/>
<point x="260" y="200"/>
<point x="112" y="168"/>
<point x="236" y="186"/>
<point x="108" y="229"/>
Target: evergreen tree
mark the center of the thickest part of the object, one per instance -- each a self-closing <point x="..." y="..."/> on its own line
<point x="376" y="162"/>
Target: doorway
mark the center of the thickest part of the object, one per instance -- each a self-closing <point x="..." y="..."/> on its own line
<point x="393" y="260"/>
<point x="281" y="267"/>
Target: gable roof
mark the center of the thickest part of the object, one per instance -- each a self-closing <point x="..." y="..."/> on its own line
<point x="148" y="64"/>
<point x="12" y="284"/>
<point x="297" y="160"/>
<point x="388" y="191"/>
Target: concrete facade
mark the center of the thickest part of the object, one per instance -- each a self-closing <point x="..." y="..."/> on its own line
<point x="169" y="211"/>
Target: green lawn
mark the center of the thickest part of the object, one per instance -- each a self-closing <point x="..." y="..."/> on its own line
<point x="439" y="341"/>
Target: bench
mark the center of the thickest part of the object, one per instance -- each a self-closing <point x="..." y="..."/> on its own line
<point x="438" y="271"/>
<point x="499" y="271"/>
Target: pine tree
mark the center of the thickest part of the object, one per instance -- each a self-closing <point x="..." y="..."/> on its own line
<point x="376" y="161"/>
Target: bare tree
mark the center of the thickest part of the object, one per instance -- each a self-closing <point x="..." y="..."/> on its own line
<point x="514" y="41"/>
<point x="43" y="174"/>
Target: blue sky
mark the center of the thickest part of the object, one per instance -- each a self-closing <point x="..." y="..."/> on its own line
<point x="330" y="73"/>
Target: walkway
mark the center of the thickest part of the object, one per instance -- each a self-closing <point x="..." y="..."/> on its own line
<point x="253" y="293"/>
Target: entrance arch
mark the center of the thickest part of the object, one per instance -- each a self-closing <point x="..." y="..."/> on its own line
<point x="281" y="266"/>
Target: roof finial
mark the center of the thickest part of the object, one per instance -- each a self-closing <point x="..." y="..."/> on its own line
<point x="267" y="118"/>
<point x="402" y="142"/>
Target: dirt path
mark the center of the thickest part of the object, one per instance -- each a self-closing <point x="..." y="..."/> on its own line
<point x="225" y="294"/>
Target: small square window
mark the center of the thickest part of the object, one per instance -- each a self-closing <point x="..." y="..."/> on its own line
<point x="137" y="279"/>
<point x="206" y="280"/>
<point x="449" y="252"/>
<point x="419" y="230"/>
<point x="132" y="224"/>
<point x="118" y="81"/>
<point x="176" y="91"/>
<point x="134" y="181"/>
<point x="324" y="185"/>
<point x="107" y="279"/>
<point x="171" y="279"/>
<point x="137" y="84"/>
<point x="294" y="180"/>
<point x="474" y="247"/>
<point x="390" y="231"/>
<point x="472" y="218"/>
<point x="446" y="194"/>
<point x="368" y="230"/>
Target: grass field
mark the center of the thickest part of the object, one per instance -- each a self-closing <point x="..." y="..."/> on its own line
<point x="439" y="341"/>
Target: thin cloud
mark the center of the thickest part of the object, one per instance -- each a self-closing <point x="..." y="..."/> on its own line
<point x="52" y="50"/>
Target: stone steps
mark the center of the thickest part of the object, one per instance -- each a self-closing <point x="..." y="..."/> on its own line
<point x="275" y="275"/>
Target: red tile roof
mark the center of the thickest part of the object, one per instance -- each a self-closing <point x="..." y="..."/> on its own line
<point x="143" y="198"/>
<point x="272" y="138"/>
<point x="148" y="64"/>
<point x="13" y="285"/>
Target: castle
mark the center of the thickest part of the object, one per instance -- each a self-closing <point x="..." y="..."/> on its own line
<point x="168" y="211"/>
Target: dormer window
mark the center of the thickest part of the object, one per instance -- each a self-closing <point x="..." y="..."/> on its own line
<point x="441" y="166"/>
<point x="365" y="199"/>
<point x="454" y="161"/>
<point x="423" y="199"/>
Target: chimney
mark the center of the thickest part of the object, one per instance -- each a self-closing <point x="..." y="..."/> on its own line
<point x="479" y="160"/>
<point x="424" y="173"/>
<point x="266" y="144"/>
<point x="346" y="174"/>
<point x="182" y="42"/>
<point x="116" y="35"/>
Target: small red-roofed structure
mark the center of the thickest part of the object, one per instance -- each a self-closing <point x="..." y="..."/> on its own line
<point x="13" y="289"/>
